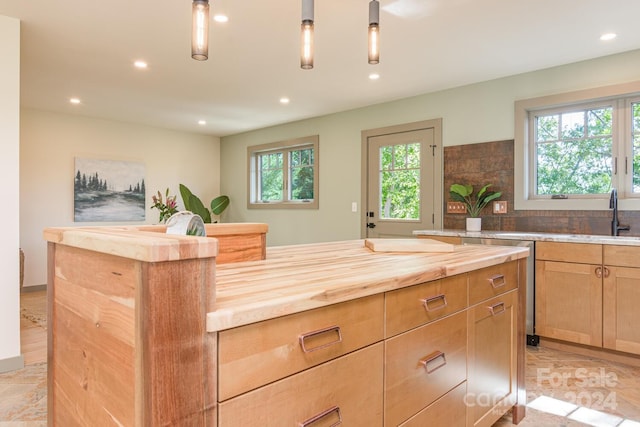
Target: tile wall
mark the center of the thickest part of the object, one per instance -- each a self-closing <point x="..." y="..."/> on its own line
<point x="492" y="162"/>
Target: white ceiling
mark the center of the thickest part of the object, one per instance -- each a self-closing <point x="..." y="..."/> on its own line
<point x="86" y="49"/>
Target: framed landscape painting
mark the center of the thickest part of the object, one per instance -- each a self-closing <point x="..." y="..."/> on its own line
<point x="108" y="190"/>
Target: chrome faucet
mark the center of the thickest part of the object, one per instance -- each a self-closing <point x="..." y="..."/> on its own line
<point x="615" y="225"/>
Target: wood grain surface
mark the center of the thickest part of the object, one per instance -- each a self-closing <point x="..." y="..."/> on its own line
<point x="301" y="277"/>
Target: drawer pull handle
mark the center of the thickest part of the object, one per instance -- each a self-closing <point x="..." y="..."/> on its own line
<point x="321" y="415"/>
<point x="427" y="301"/>
<point x="497" y="280"/>
<point x="432" y="358"/>
<point x="312" y="334"/>
<point x="496" y="309"/>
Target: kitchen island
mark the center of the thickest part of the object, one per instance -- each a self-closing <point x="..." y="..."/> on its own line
<point x="313" y="334"/>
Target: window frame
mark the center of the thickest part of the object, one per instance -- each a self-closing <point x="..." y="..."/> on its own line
<point x="620" y="96"/>
<point x="285" y="147"/>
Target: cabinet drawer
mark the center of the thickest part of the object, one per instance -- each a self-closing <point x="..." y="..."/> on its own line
<point x="583" y="253"/>
<point x="450" y="410"/>
<point x="622" y="256"/>
<point x="257" y="354"/>
<point x="347" y="389"/>
<point x="492" y="281"/>
<point x="423" y="364"/>
<point x="416" y="305"/>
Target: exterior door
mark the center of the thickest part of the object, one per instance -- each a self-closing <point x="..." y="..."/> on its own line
<point x="403" y="182"/>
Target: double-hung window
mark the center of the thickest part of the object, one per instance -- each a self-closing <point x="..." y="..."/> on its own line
<point x="284" y="174"/>
<point x="573" y="149"/>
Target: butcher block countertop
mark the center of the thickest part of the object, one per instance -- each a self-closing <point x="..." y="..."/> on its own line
<point x="129" y="242"/>
<point x="302" y="277"/>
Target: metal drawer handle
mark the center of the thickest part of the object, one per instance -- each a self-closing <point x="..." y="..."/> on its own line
<point x="312" y="334"/>
<point x="426" y="302"/>
<point x="432" y="358"/>
<point x="496" y="309"/>
<point x="497" y="280"/>
<point x="321" y="415"/>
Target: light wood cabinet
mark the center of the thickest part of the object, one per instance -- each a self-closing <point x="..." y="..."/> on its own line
<point x="414" y="356"/>
<point x="593" y="302"/>
<point x="492" y="380"/>
<point x="347" y="389"/>
<point x="257" y="354"/>
<point x="569" y="302"/>
<point x="621" y="298"/>
<point x="423" y="364"/>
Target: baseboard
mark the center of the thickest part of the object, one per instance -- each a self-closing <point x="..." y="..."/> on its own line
<point x="11" y="364"/>
<point x="35" y="288"/>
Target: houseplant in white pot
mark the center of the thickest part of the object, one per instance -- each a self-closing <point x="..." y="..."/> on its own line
<point x="474" y="203"/>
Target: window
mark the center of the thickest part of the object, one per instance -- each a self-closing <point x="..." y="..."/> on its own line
<point x="284" y="174"/>
<point x="572" y="149"/>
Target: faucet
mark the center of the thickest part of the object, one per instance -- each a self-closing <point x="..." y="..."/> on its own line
<point x="615" y="225"/>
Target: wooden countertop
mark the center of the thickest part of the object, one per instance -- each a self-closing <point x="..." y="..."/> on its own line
<point x="302" y="277"/>
<point x="128" y="242"/>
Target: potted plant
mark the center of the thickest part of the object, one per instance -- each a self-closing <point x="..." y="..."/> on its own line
<point x="193" y="204"/>
<point x="474" y="204"/>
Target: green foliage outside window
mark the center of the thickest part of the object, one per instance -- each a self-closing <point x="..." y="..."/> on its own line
<point x="574" y="152"/>
<point x="400" y="181"/>
<point x="635" y="111"/>
<point x="301" y="173"/>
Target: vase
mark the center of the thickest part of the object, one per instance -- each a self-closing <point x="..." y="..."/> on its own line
<point x="474" y="224"/>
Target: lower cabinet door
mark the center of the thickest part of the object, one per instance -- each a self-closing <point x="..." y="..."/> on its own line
<point x="491" y="383"/>
<point x="621" y="317"/>
<point x="422" y="365"/>
<point x="450" y="411"/>
<point x="346" y="390"/>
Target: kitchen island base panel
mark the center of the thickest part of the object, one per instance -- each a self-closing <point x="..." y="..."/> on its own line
<point x="127" y="342"/>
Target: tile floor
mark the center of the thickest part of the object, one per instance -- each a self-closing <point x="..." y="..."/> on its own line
<point x="567" y="389"/>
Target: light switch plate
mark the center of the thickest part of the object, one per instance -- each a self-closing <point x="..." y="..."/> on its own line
<point x="500" y="207"/>
<point x="456" y="208"/>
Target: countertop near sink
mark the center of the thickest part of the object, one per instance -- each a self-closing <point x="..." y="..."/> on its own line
<point x="542" y="237"/>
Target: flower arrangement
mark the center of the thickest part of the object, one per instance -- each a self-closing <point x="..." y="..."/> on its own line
<point x="166" y="207"/>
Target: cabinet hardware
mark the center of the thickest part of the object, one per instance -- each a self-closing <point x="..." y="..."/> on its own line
<point x="496" y="309"/>
<point x="497" y="280"/>
<point x="309" y="335"/>
<point x="432" y="358"/>
<point x="427" y="301"/>
<point x="599" y="272"/>
<point x="606" y="272"/>
<point x="321" y="415"/>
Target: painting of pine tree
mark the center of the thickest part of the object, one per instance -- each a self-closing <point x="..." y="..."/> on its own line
<point x="108" y="190"/>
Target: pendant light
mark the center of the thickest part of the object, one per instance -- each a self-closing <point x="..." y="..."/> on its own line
<point x="306" y="45"/>
<point x="200" y="30"/>
<point x="374" y="32"/>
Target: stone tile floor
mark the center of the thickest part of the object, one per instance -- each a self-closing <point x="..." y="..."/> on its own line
<point x="568" y="390"/>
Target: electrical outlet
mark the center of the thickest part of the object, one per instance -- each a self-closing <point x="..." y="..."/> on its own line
<point x="500" y="207"/>
<point x="456" y="208"/>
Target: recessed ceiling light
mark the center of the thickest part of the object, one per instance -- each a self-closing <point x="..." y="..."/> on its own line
<point x="74" y="101"/>
<point x="284" y="100"/>
<point x="202" y="122"/>
<point x="220" y="18"/>
<point x="374" y="76"/>
<point x="608" y="36"/>
<point x="140" y="64"/>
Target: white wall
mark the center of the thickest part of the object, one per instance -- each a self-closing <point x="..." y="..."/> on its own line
<point x="9" y="191"/>
<point x="50" y="142"/>
<point x="471" y="114"/>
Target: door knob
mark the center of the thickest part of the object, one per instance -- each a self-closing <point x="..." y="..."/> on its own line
<point x="371" y="225"/>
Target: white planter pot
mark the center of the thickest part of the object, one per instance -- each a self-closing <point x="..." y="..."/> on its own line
<point x="474" y="224"/>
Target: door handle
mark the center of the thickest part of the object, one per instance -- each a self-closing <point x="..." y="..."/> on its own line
<point x="371" y="225"/>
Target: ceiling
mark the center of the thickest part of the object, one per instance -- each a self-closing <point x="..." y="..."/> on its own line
<point x="86" y="49"/>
